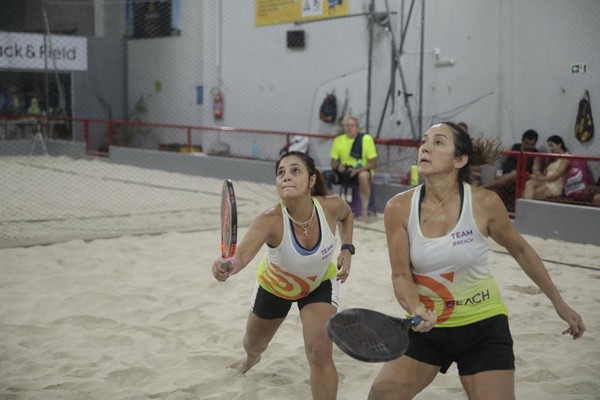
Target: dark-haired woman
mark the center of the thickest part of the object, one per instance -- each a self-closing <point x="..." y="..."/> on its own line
<point x="299" y="232"/>
<point x="437" y="236"/>
<point x="551" y="182"/>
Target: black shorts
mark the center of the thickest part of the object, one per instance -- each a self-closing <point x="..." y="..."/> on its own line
<point x="345" y="179"/>
<point x="268" y="306"/>
<point x="481" y="346"/>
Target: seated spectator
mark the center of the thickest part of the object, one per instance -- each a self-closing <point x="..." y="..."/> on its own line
<point x="504" y="184"/>
<point x="551" y="182"/>
<point x="353" y="162"/>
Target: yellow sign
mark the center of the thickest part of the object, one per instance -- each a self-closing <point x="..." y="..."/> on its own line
<point x="272" y="12"/>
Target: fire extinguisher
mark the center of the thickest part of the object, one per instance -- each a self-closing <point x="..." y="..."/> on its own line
<point x="218" y="105"/>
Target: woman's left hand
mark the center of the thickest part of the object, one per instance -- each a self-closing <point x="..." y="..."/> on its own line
<point x="343" y="265"/>
<point x="576" y="325"/>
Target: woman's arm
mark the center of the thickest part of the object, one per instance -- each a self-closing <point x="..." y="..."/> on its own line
<point x="501" y="229"/>
<point x="344" y="218"/>
<point x="562" y="169"/>
<point x="262" y="230"/>
<point x="395" y="216"/>
<point x="339" y="214"/>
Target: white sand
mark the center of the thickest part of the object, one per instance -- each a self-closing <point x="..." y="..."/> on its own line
<point x="140" y="317"/>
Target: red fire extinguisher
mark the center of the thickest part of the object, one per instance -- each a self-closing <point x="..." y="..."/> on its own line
<point x="218" y="105"/>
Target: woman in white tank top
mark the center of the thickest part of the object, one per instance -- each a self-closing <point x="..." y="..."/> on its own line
<point x="298" y="267"/>
<point x="437" y="239"/>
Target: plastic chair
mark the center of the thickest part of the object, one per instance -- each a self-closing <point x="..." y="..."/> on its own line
<point x="355" y="201"/>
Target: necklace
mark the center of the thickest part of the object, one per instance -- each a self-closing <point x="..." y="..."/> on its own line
<point x="437" y="207"/>
<point x="305" y="226"/>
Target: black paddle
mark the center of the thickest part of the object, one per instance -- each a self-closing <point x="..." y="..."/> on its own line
<point x="369" y="335"/>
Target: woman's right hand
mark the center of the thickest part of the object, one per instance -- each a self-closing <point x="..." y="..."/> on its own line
<point x="219" y="269"/>
<point x="222" y="268"/>
<point x="429" y="318"/>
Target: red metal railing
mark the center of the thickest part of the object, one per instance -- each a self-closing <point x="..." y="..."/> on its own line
<point x="47" y="121"/>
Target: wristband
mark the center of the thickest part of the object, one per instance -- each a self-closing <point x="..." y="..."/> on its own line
<point x="235" y="263"/>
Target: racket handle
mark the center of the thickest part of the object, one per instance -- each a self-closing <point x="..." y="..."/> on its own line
<point x="416" y="320"/>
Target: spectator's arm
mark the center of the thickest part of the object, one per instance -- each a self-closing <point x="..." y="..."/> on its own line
<point x="334" y="164"/>
<point x="371" y="164"/>
<point x="561" y="171"/>
<point x="536" y="169"/>
<point x="369" y="152"/>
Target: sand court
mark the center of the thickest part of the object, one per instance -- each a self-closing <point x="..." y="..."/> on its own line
<point x="52" y="199"/>
<point x="141" y="317"/>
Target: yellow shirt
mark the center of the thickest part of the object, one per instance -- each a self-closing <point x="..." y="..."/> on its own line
<point x="342" y="145"/>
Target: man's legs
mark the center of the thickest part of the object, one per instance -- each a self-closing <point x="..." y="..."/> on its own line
<point x="504" y="186"/>
<point x="330" y="177"/>
<point x="364" y="188"/>
<point x="503" y="181"/>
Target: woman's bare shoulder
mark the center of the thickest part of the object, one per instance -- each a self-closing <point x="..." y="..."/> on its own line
<point x="481" y="193"/>
<point x="487" y="199"/>
<point x="269" y="220"/>
<point x="330" y="201"/>
<point x="399" y="204"/>
<point x="270" y="213"/>
<point x="401" y="199"/>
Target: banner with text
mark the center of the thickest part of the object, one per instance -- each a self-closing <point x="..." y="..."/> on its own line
<point x="42" y="52"/>
<point x="272" y="12"/>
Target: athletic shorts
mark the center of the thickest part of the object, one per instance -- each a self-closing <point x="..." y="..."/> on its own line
<point x="268" y="306"/>
<point x="481" y="346"/>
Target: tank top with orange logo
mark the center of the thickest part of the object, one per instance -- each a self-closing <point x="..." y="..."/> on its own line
<point x="289" y="270"/>
<point x="451" y="272"/>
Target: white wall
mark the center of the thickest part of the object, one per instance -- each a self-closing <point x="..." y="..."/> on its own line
<point x="177" y="63"/>
<point x="511" y="67"/>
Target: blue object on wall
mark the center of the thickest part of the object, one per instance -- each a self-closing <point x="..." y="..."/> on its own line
<point x="199" y="94"/>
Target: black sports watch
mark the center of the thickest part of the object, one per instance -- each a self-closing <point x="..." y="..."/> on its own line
<point x="349" y="247"/>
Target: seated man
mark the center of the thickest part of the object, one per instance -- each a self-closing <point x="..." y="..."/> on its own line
<point x="353" y="161"/>
<point x="504" y="185"/>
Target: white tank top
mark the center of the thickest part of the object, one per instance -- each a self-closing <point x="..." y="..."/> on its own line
<point x="289" y="270"/>
<point x="451" y="271"/>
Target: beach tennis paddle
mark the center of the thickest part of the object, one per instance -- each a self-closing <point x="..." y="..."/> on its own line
<point x="228" y="220"/>
<point x="369" y="335"/>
